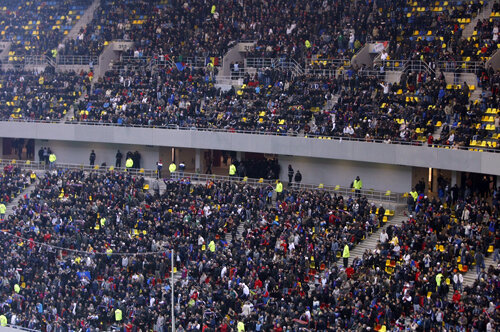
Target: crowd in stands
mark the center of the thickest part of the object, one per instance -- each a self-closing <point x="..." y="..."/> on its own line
<point x="37" y="27"/>
<point x="207" y="29"/>
<point x="12" y="182"/>
<point x="47" y="95"/>
<point x="273" y="101"/>
<point x="88" y="251"/>
<point x="65" y="241"/>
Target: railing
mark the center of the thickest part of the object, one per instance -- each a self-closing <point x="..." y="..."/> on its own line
<point x="386" y="196"/>
<point x="256" y="132"/>
<point x="37" y="60"/>
<point x="283" y="63"/>
<point x="417" y="66"/>
<point x="461" y="66"/>
<point x="17" y="327"/>
<point x="77" y="60"/>
<point x="323" y="72"/>
<point x="327" y="63"/>
<point x="259" y="62"/>
<point x="229" y="80"/>
<point x="370" y="194"/>
<point x="392" y="65"/>
<point x="40" y="166"/>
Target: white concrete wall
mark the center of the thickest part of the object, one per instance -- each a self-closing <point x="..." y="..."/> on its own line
<point x="394" y="154"/>
<point x="342" y="172"/>
<point x="79" y="152"/>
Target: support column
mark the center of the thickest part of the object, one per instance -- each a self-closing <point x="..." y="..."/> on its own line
<point x="238" y="155"/>
<point x="453" y="178"/>
<point x="197" y="161"/>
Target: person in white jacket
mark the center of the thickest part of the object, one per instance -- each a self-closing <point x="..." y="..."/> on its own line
<point x="458" y="280"/>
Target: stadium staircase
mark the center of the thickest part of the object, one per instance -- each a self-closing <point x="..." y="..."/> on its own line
<point x="483" y="14"/>
<point x="27" y="191"/>
<point x="83" y="21"/>
<point x="370" y="243"/>
<point x="471" y="276"/>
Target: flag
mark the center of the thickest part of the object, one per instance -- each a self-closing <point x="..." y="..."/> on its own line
<point x="213" y="9"/>
<point x="180" y="66"/>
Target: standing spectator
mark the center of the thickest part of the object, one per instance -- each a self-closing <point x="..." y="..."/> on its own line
<point x="182" y="167"/>
<point x="40" y="154"/>
<point x="46" y="154"/>
<point x="479" y="257"/>
<point x="118" y="157"/>
<point x="458" y="280"/>
<point x="156" y="188"/>
<point x="496" y="253"/>
<point x="298" y="178"/>
<point x="290" y="175"/>
<point x="357" y="185"/>
<point x="159" y="166"/>
<point x="137" y="159"/>
<point x="92" y="158"/>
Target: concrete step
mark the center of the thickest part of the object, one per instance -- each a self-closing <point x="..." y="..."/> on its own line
<point x="27" y="191"/>
<point x="83" y="21"/>
<point x="471" y="276"/>
<point x="370" y="243"/>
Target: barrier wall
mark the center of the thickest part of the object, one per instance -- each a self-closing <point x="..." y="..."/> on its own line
<point x="393" y="154"/>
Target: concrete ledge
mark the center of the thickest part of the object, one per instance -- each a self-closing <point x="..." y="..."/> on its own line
<point x="418" y="156"/>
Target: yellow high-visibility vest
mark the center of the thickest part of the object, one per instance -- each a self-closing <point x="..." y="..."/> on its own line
<point x="232" y="170"/>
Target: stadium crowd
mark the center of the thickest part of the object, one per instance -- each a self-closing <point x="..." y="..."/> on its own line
<point x="97" y="217"/>
<point x="355" y="102"/>
<point x="47" y="95"/>
<point x="88" y="251"/>
<point x="366" y="107"/>
<point x="38" y="27"/>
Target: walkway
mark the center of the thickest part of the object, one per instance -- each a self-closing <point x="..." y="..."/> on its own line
<point x="371" y="242"/>
<point x="84" y="20"/>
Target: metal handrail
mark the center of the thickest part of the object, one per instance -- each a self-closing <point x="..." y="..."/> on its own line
<point x="344" y="62"/>
<point x="31" y="165"/>
<point x="392" y="65"/>
<point x="81" y="60"/>
<point x="256" y="132"/>
<point x="371" y="194"/>
<point x="463" y="66"/>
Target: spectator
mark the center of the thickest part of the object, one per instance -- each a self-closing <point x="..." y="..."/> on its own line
<point x="290" y="176"/>
<point x="92" y="158"/>
<point x="298" y="178"/>
<point x="118" y="158"/>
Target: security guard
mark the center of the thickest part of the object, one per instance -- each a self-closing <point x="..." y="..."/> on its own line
<point x="129" y="163"/>
<point x="346" y="255"/>
<point x="172" y="168"/>
<point x="357" y="185"/>
<point x="232" y="170"/>
<point x="52" y="160"/>
<point x="118" y="315"/>
<point x="3" y="210"/>
<point x="279" y="190"/>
